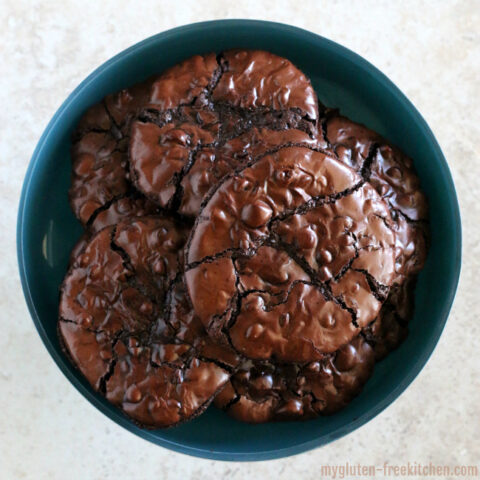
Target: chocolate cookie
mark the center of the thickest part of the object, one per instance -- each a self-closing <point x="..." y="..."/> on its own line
<point x="241" y="105"/>
<point x="79" y="246"/>
<point x="390" y="328"/>
<point x="100" y="155"/>
<point x="300" y="269"/>
<point x="393" y="175"/>
<point x="133" y="205"/>
<point x="263" y="392"/>
<point x="123" y="208"/>
<point x="114" y="323"/>
<point x="300" y="251"/>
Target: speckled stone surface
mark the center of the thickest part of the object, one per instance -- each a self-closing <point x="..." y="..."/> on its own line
<point x="431" y="50"/>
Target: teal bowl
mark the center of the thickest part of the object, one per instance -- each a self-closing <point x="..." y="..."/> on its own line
<point x="47" y="230"/>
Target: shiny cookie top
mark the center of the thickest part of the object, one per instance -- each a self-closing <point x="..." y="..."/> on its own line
<point x="300" y="251"/>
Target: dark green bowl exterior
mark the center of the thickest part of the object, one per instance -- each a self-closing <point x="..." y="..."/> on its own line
<point x="47" y="230"/>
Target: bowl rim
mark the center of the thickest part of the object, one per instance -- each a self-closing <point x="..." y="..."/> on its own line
<point x="267" y="454"/>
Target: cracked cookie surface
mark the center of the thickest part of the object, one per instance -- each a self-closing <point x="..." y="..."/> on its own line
<point x="303" y="263"/>
<point x="301" y="254"/>
<point x="116" y="324"/>
<point x="100" y="152"/>
<point x="263" y="391"/>
<point x="244" y="104"/>
<point x="393" y="176"/>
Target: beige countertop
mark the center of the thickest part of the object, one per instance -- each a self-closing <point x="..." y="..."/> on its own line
<point x="431" y="50"/>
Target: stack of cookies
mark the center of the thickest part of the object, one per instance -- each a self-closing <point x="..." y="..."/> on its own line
<point x="243" y="245"/>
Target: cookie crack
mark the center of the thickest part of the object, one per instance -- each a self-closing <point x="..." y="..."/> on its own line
<point x="263" y="117"/>
<point x="79" y="134"/>
<point x="188" y="357"/>
<point x="278" y="244"/>
<point x="420" y="221"/>
<point x="384" y="220"/>
<point x="102" y="383"/>
<point x="177" y="198"/>
<point x="222" y="67"/>
<point x="218" y="363"/>
<point x="348" y="265"/>
<point x="96" y="331"/>
<point x="161" y="118"/>
<point x="366" y="170"/>
<point x="181" y="367"/>
<point x="328" y="113"/>
<point x="104" y="207"/>
<point x="228" y="252"/>
<point x="315" y="202"/>
<point x="133" y="282"/>
<point x="310" y="204"/>
<point x="232" y="402"/>
<point x="127" y="263"/>
<point x="115" y="128"/>
<point x="323" y="129"/>
<point x="379" y="291"/>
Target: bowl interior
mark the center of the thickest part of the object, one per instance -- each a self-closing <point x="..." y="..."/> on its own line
<point x="47" y="230"/>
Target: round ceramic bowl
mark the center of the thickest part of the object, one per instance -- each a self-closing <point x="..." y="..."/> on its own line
<point x="47" y="230"/>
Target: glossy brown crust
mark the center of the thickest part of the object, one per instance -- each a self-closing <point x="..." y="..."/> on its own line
<point x="78" y="247"/>
<point x="213" y="164"/>
<point x="303" y="222"/>
<point x="162" y="385"/>
<point x="114" y="287"/>
<point x="254" y="78"/>
<point x="241" y="104"/>
<point x="181" y="84"/>
<point x="161" y="155"/>
<point x="263" y="392"/>
<point x="98" y="174"/>
<point x="134" y="205"/>
<point x="390" y="328"/>
<point x="123" y="106"/>
<point x="100" y="152"/>
<point x="292" y="256"/>
<point x="116" y="326"/>
<point x="393" y="176"/>
<point x="355" y="145"/>
<point x="123" y="208"/>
